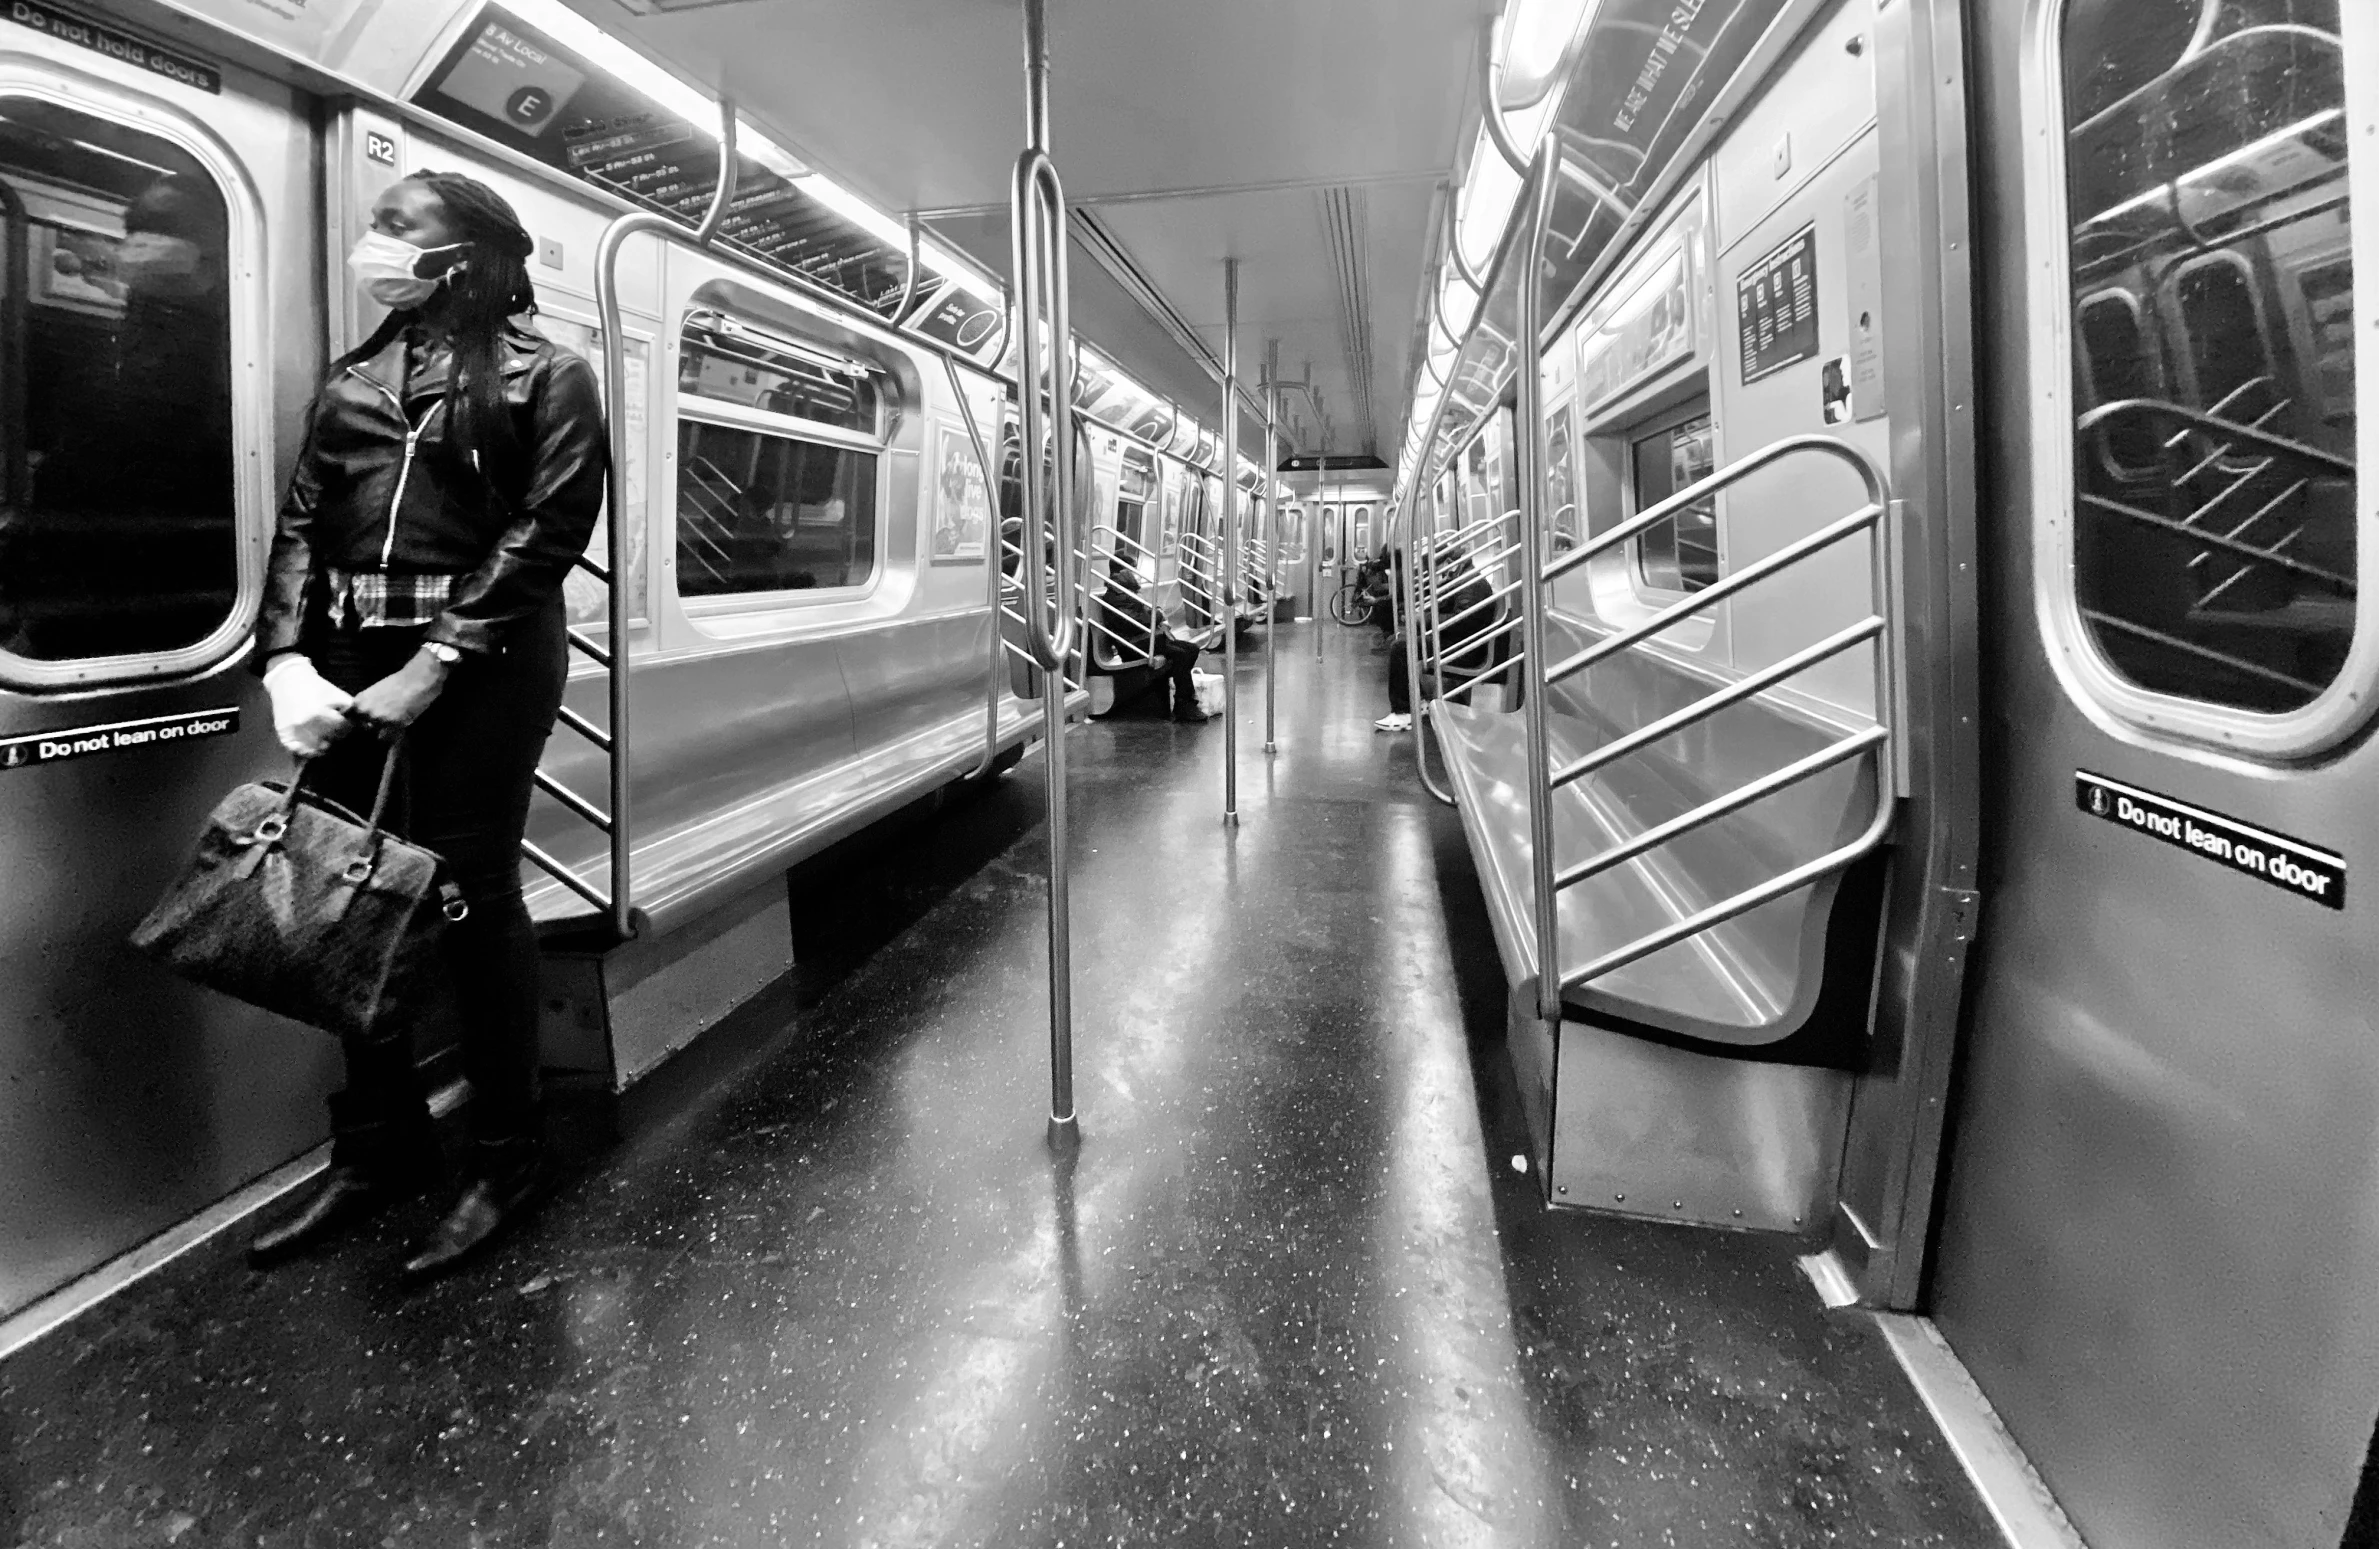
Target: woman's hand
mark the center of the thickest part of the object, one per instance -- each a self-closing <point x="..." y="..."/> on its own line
<point x="396" y="701"/>
<point x="309" y="711"/>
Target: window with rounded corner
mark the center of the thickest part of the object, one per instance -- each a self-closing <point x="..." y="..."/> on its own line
<point x="2207" y="242"/>
<point x="1679" y="554"/>
<point x="119" y="522"/>
<point x="777" y="447"/>
<point x="1561" y="487"/>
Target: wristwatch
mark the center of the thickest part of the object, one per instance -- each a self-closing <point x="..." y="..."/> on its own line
<point x="440" y="649"/>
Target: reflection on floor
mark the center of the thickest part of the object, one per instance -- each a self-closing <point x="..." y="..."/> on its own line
<point x="834" y="1290"/>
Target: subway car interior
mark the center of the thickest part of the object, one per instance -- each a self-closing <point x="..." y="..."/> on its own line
<point x="1382" y="772"/>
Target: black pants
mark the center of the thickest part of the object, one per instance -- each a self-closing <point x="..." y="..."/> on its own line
<point x="463" y="791"/>
<point x="1179" y="657"/>
<point x="1400" y="689"/>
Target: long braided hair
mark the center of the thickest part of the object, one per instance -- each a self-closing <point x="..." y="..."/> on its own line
<point x="488" y="287"/>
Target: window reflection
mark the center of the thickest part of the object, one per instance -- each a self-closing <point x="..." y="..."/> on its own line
<point x="2214" y="532"/>
<point x="1679" y="554"/>
<point x="117" y="515"/>
<point x="764" y="513"/>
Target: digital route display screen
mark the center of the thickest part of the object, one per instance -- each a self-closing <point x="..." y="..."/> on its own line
<point x="512" y="83"/>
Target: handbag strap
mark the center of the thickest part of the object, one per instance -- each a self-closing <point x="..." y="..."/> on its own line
<point x="277" y="823"/>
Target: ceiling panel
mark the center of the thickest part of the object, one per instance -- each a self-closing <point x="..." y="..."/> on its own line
<point x="1192" y="129"/>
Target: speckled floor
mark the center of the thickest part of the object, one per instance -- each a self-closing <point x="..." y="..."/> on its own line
<point x="833" y="1289"/>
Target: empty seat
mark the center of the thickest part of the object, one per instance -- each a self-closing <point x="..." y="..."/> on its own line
<point x="1754" y="981"/>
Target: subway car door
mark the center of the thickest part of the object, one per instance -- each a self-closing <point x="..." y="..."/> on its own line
<point x="159" y="337"/>
<point x="2159" y="1249"/>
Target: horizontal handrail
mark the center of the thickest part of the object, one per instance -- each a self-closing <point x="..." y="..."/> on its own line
<point x="1734" y="693"/>
<point x="585" y="728"/>
<point x="576" y="803"/>
<point x="1719" y="806"/>
<point x="1718" y="591"/>
<point x="586" y="643"/>
<point x="1471" y="646"/>
<point x="1492" y="598"/>
<point x="2245" y="553"/>
<point x="1741" y="903"/>
<point x="1873" y="631"/>
<point x="547" y="863"/>
<point x="1694" y="494"/>
<point x="2199" y="420"/>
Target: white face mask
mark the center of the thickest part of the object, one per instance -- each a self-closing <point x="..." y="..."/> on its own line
<point x="388" y="269"/>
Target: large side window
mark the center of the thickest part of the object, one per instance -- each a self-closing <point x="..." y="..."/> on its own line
<point x="2214" y="500"/>
<point x="119" y="531"/>
<point x="777" y="448"/>
<point x="1136" y="486"/>
<point x="1681" y="553"/>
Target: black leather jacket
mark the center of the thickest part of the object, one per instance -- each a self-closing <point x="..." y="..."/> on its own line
<point x="376" y="489"/>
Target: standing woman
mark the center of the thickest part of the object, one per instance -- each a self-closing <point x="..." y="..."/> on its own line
<point x="453" y="469"/>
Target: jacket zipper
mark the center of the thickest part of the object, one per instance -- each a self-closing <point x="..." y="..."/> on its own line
<point x="404" y="468"/>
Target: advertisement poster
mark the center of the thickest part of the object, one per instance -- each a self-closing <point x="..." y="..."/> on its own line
<point x="962" y="509"/>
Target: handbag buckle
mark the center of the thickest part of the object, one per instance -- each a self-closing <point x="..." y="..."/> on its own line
<point x="271" y="830"/>
<point x="359" y="869"/>
<point x="456" y="911"/>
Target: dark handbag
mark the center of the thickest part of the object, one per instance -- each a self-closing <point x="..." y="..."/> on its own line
<point x="295" y="904"/>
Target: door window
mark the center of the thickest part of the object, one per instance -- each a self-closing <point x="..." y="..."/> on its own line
<point x="2214" y="500"/>
<point x="1679" y="554"/>
<point x="119" y="527"/>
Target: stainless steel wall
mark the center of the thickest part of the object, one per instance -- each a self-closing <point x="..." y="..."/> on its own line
<point x="129" y="1099"/>
<point x="2160" y="1243"/>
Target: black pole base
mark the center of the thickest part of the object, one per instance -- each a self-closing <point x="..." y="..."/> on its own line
<point x="1065" y="1135"/>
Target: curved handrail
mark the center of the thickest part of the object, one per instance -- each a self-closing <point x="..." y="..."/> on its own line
<point x="1865" y="466"/>
<point x="1877" y="629"/>
<point x="997" y="657"/>
<point x="1415" y="551"/>
<point x="1490" y="106"/>
<point x="2198" y="419"/>
<point x="1470" y="276"/>
<point x="619" y="907"/>
<point x="908" y="289"/>
<point x="1038" y="246"/>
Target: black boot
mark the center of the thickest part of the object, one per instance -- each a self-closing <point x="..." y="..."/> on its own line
<point x="374" y="1163"/>
<point x="1185" y="706"/>
<point x="504" y="1179"/>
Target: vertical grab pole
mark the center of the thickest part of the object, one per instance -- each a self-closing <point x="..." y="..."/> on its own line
<point x="1410" y="591"/>
<point x="1038" y="238"/>
<point x="1230" y="542"/>
<point x="616" y="388"/>
<point x="1272" y="531"/>
<point x="1533" y="454"/>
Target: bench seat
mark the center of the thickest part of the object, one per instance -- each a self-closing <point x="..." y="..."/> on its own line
<point x="682" y="871"/>
<point x="1749" y="982"/>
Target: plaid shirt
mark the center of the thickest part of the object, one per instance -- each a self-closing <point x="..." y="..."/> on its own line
<point x="381" y="599"/>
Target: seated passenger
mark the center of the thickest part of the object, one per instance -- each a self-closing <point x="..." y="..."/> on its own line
<point x="1129" y="616"/>
<point x="1461" y="588"/>
<point x="1374" y="586"/>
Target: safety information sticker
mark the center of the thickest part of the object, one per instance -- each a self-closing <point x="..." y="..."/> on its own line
<point x="53" y="747"/>
<point x="2290" y="865"/>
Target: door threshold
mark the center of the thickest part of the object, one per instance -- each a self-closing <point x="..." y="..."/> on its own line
<point x="2017" y="1498"/>
<point x="46" y="1314"/>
